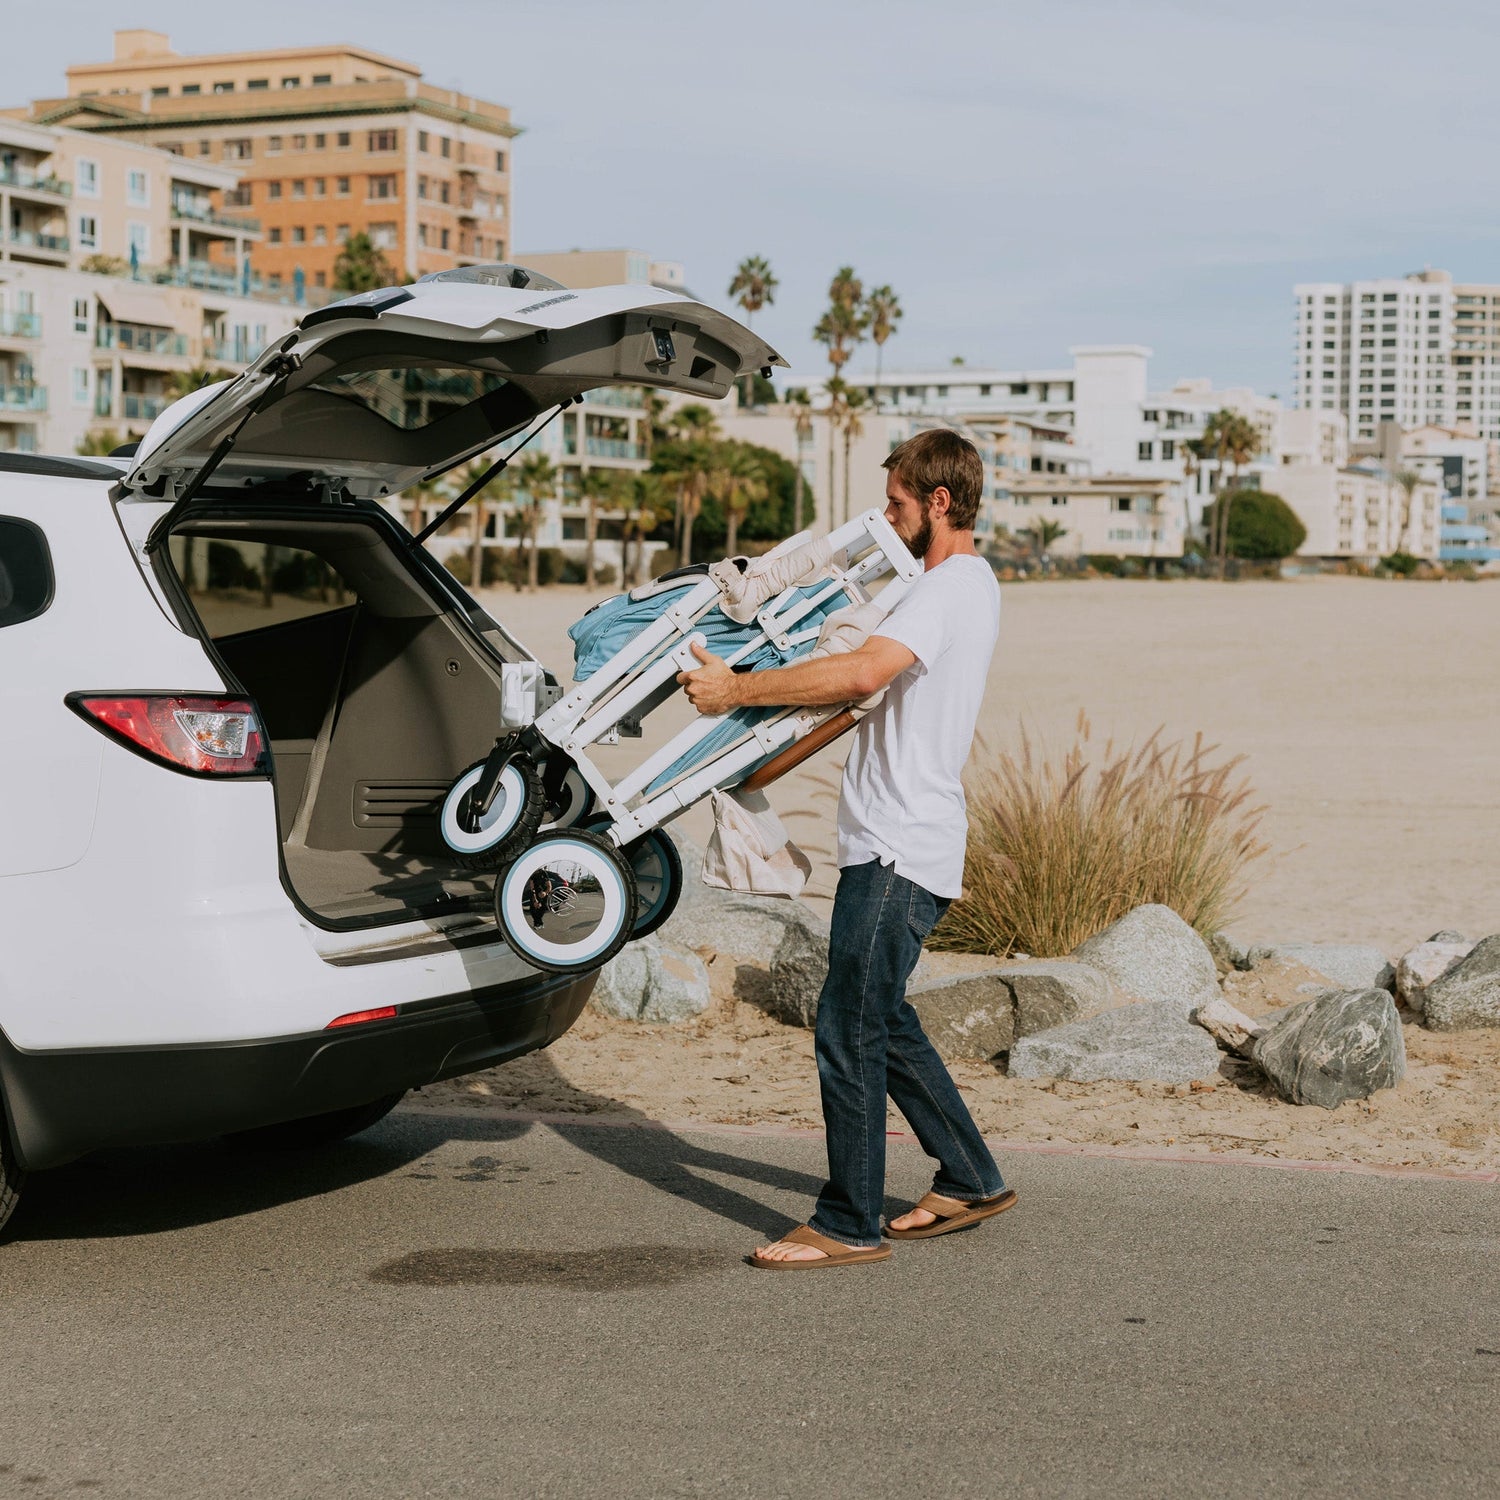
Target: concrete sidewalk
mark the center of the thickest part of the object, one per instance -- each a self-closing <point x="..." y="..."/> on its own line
<point x="481" y="1305"/>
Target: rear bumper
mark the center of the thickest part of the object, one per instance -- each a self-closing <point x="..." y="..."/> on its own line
<point x="61" y="1104"/>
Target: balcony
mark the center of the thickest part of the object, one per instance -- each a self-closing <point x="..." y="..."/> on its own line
<point x="23" y="398"/>
<point x="616" y="395"/>
<point x="135" y="407"/>
<point x="1458" y="514"/>
<point x="203" y="275"/>
<point x="36" y="182"/>
<point x="196" y="212"/>
<point x="236" y="351"/>
<point x="598" y="447"/>
<point x="16" y="325"/>
<point x="42" y="244"/>
<point x="137" y="338"/>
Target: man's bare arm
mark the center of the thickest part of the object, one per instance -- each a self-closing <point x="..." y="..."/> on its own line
<point x="714" y="689"/>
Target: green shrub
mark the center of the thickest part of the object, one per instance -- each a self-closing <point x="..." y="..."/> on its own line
<point x="1401" y="564"/>
<point x="1060" y="848"/>
<point x="575" y="570"/>
<point x="1462" y="570"/>
<point x="1262" y="526"/>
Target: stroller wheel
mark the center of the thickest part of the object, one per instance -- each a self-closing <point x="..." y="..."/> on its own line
<point x="505" y="829"/>
<point x="658" y="877"/>
<point x="574" y="802"/>
<point x="567" y="902"/>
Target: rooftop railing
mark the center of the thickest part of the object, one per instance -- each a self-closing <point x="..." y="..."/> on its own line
<point x="137" y="338"/>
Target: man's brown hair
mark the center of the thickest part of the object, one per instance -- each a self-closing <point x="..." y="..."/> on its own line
<point x="940" y="457"/>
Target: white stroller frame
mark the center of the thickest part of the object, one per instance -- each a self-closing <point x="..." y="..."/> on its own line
<point x="593" y="711"/>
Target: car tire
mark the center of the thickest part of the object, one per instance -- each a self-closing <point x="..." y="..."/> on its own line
<point x="12" y="1176"/>
<point x="316" y="1130"/>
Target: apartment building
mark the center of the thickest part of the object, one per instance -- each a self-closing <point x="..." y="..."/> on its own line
<point x="580" y="268"/>
<point x="1419" y="350"/>
<point x="327" y="142"/>
<point x="118" y="274"/>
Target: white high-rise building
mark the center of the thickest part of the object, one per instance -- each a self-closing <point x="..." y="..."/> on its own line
<point x="1419" y="350"/>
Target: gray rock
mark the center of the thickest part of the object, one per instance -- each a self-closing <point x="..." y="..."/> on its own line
<point x="966" y="1015"/>
<point x="1229" y="953"/>
<point x="799" y="965"/>
<point x="1341" y="1046"/>
<point x="1151" y="952"/>
<point x="1468" y="995"/>
<point x="648" y="981"/>
<point x="1447" y="935"/>
<point x="1425" y="964"/>
<point x="1052" y="992"/>
<point x="1152" y="1041"/>
<point x="1347" y="966"/>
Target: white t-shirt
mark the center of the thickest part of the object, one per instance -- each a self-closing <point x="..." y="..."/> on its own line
<point x="903" y="794"/>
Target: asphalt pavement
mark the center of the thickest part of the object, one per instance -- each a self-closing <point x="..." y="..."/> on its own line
<point x="477" y="1305"/>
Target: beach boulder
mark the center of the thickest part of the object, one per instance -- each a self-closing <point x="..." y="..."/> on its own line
<point x="649" y="981"/>
<point x="1048" y="992"/>
<point x="1468" y="994"/>
<point x="1346" y="966"/>
<point x="1153" y="954"/>
<point x="1343" y="1045"/>
<point x="967" y="1015"/>
<point x="1425" y="964"/>
<point x="1151" y="1041"/>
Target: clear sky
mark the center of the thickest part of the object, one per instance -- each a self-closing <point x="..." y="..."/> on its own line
<point x="1026" y="176"/>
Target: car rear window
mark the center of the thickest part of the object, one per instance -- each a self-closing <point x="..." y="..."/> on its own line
<point x="412" y="396"/>
<point x="25" y="571"/>
<point x="238" y="585"/>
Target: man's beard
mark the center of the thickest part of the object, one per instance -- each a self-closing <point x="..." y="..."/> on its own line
<point x="919" y="544"/>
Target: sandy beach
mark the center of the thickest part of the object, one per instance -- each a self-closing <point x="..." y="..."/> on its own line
<point x="1370" y="730"/>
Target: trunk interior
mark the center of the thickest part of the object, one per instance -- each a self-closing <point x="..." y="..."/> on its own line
<point x="373" y="694"/>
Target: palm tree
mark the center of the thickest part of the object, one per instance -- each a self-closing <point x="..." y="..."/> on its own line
<point x="1043" y="533"/>
<point x="184" y="382"/>
<point x="1233" y="440"/>
<point x="644" y="501"/>
<point x="737" y="483"/>
<point x="691" y="484"/>
<point x="692" y="421"/>
<point x="361" y="267"/>
<point x="803" y="424"/>
<point x="596" y="486"/>
<point x="538" y="479"/>
<point x="885" y="312"/>
<point x="854" y="399"/>
<point x="754" y="287"/>
<point x="99" y="443"/>
<point x="1407" y="480"/>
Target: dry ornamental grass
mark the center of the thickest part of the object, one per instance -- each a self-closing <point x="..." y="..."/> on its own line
<point x="1059" y="849"/>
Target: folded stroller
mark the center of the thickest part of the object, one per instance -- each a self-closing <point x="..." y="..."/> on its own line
<point x="541" y="812"/>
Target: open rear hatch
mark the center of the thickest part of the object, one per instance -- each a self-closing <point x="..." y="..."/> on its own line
<point x="375" y="676"/>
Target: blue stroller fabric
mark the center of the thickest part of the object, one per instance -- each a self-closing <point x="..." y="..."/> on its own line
<point x="606" y="629"/>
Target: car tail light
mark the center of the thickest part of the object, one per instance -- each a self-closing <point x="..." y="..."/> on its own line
<point x="199" y="735"/>
<point x="358" y="1017"/>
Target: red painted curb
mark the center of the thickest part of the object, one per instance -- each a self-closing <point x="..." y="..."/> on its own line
<point x="1040" y="1148"/>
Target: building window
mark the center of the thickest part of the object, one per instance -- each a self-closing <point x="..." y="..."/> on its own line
<point x="227" y="87"/>
<point x="320" y="234"/>
<point x="320" y="187"/>
<point x="342" y="187"/>
<point x="291" y="83"/>
<point x="88" y="232"/>
<point x="299" y="143"/>
<point x="299" y="187"/>
<point x="237" y="197"/>
<point x="445" y="146"/>
<point x="238" y="150"/>
<point x="1143" y="452"/>
<point x="320" y="278"/>
<point x="138" y="240"/>
<point x="382" y="185"/>
<point x="499" y="161"/>
<point x="86" y="177"/>
<point x="259" y="83"/>
<point x="192" y="88"/>
<point x="382" y="140"/>
<point x="421" y="187"/>
<point x="1168" y="448"/>
<point x="1059" y="499"/>
<point x="320" y="142"/>
<point x="383" y="236"/>
<point x="343" y="140"/>
<point x="1121" y="502"/>
<point x="321" y="79"/>
<point x="273" y="190"/>
<point x="273" y="235"/>
<point x="421" y="234"/>
<point x="80" y="315"/>
<point x="273" y="145"/>
<point x="341" y="234"/>
<point x="421" y="140"/>
<point x="80" y="386"/>
<point x="443" y="238"/>
<point x="299" y="234"/>
<point x="443" y="192"/>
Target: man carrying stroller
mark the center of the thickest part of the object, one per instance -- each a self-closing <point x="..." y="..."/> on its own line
<point x="902" y="830"/>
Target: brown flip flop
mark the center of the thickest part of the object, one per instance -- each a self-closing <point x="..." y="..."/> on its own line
<point x="953" y="1213"/>
<point x="835" y="1252"/>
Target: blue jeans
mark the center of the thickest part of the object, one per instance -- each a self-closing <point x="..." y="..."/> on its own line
<point x="870" y="1043"/>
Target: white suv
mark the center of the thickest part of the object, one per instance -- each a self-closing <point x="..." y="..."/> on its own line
<point x="233" y="690"/>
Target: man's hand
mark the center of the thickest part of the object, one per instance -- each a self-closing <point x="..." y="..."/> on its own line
<point x="713" y="687"/>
